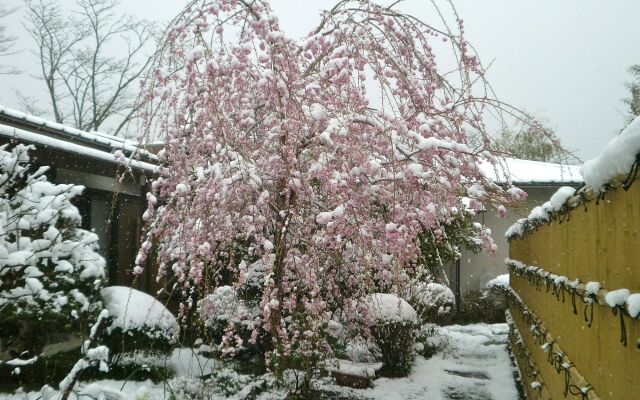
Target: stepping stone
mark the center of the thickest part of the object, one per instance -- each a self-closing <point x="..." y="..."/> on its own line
<point x="475" y="355"/>
<point x="466" y="393"/>
<point x="468" y="374"/>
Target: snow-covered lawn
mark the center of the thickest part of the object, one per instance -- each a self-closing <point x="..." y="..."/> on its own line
<point x="474" y="366"/>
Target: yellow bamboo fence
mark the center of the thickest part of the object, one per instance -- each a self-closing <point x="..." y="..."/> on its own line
<point x="572" y="332"/>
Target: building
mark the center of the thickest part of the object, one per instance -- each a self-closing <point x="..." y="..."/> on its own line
<point x="539" y="180"/>
<point x="114" y="198"/>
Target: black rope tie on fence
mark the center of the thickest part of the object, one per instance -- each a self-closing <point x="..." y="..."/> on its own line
<point x="588" y="300"/>
<point x="623" y="329"/>
<point x="557" y="289"/>
<point x="572" y="290"/>
<point x="632" y="174"/>
<point x="542" y="281"/>
<point x="582" y="392"/>
<point x="555" y="359"/>
<point x="583" y="198"/>
<point x="567" y="377"/>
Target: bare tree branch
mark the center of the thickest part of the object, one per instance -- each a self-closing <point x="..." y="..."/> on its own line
<point x="87" y="85"/>
<point x="7" y="42"/>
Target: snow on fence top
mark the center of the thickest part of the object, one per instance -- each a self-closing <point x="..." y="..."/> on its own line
<point x="530" y="172"/>
<point x="615" y="163"/>
<point x="617" y="158"/>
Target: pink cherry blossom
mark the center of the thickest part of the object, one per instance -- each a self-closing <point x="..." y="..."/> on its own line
<point x="277" y="143"/>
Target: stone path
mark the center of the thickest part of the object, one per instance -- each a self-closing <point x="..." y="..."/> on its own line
<point x="478" y="364"/>
<point x="474" y="366"/>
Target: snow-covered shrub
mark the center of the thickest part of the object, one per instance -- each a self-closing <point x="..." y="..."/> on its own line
<point x="222" y="383"/>
<point x="218" y="308"/>
<point x="429" y="340"/>
<point x="487" y="305"/>
<point x="394" y="321"/>
<point x="252" y="287"/>
<point x="500" y="281"/>
<point x="137" y="321"/>
<point x="50" y="273"/>
<point x="434" y="302"/>
<point x="223" y="310"/>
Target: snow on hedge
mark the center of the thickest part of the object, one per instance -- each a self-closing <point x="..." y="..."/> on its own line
<point x="616" y="158"/>
<point x="49" y="267"/>
<point x="389" y="308"/>
<point x="133" y="310"/>
<point x="432" y="299"/>
<point x="220" y="306"/>
<point x="499" y="281"/>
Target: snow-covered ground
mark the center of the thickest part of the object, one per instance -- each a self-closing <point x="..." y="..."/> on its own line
<point x="474" y="366"/>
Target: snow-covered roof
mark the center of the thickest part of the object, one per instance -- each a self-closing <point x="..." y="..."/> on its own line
<point x="526" y="172"/>
<point x="34" y="130"/>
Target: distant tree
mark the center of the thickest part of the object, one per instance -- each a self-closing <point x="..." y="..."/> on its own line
<point x="633" y="102"/>
<point x="6" y="41"/>
<point x="531" y="139"/>
<point x="86" y="84"/>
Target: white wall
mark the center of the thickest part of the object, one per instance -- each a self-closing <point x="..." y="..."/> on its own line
<point x="477" y="269"/>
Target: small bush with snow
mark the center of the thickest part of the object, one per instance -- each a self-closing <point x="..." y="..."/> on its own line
<point x="434" y="302"/>
<point x="222" y="383"/>
<point x="394" y="321"/>
<point x="137" y="321"/>
<point x="487" y="305"/>
<point x="224" y="309"/>
<point x="430" y="340"/>
<point x="50" y="272"/>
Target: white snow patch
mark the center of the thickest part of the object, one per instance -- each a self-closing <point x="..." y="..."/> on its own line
<point x="513" y="170"/>
<point x="389" y="308"/>
<point x="132" y="309"/>
<point x="592" y="288"/>
<point x="617" y="297"/>
<point x="616" y="158"/>
<point x="499" y="281"/>
<point x="633" y="305"/>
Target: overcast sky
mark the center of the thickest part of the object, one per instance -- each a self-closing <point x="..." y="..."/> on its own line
<point x="565" y="61"/>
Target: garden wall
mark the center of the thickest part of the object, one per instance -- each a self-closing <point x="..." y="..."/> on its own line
<point x="567" y="339"/>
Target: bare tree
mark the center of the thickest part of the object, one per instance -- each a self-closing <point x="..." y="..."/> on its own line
<point x="91" y="61"/>
<point x="532" y="139"/>
<point x="6" y="42"/>
<point x="633" y="102"/>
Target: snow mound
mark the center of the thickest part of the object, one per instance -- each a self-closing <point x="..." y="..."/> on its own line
<point x="132" y="310"/>
<point x="617" y="298"/>
<point x="499" y="281"/>
<point x="429" y="294"/>
<point x="389" y="308"/>
<point x="633" y="305"/>
<point x="219" y="306"/>
<point x="616" y="158"/>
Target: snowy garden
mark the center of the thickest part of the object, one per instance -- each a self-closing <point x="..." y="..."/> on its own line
<point x="306" y="210"/>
